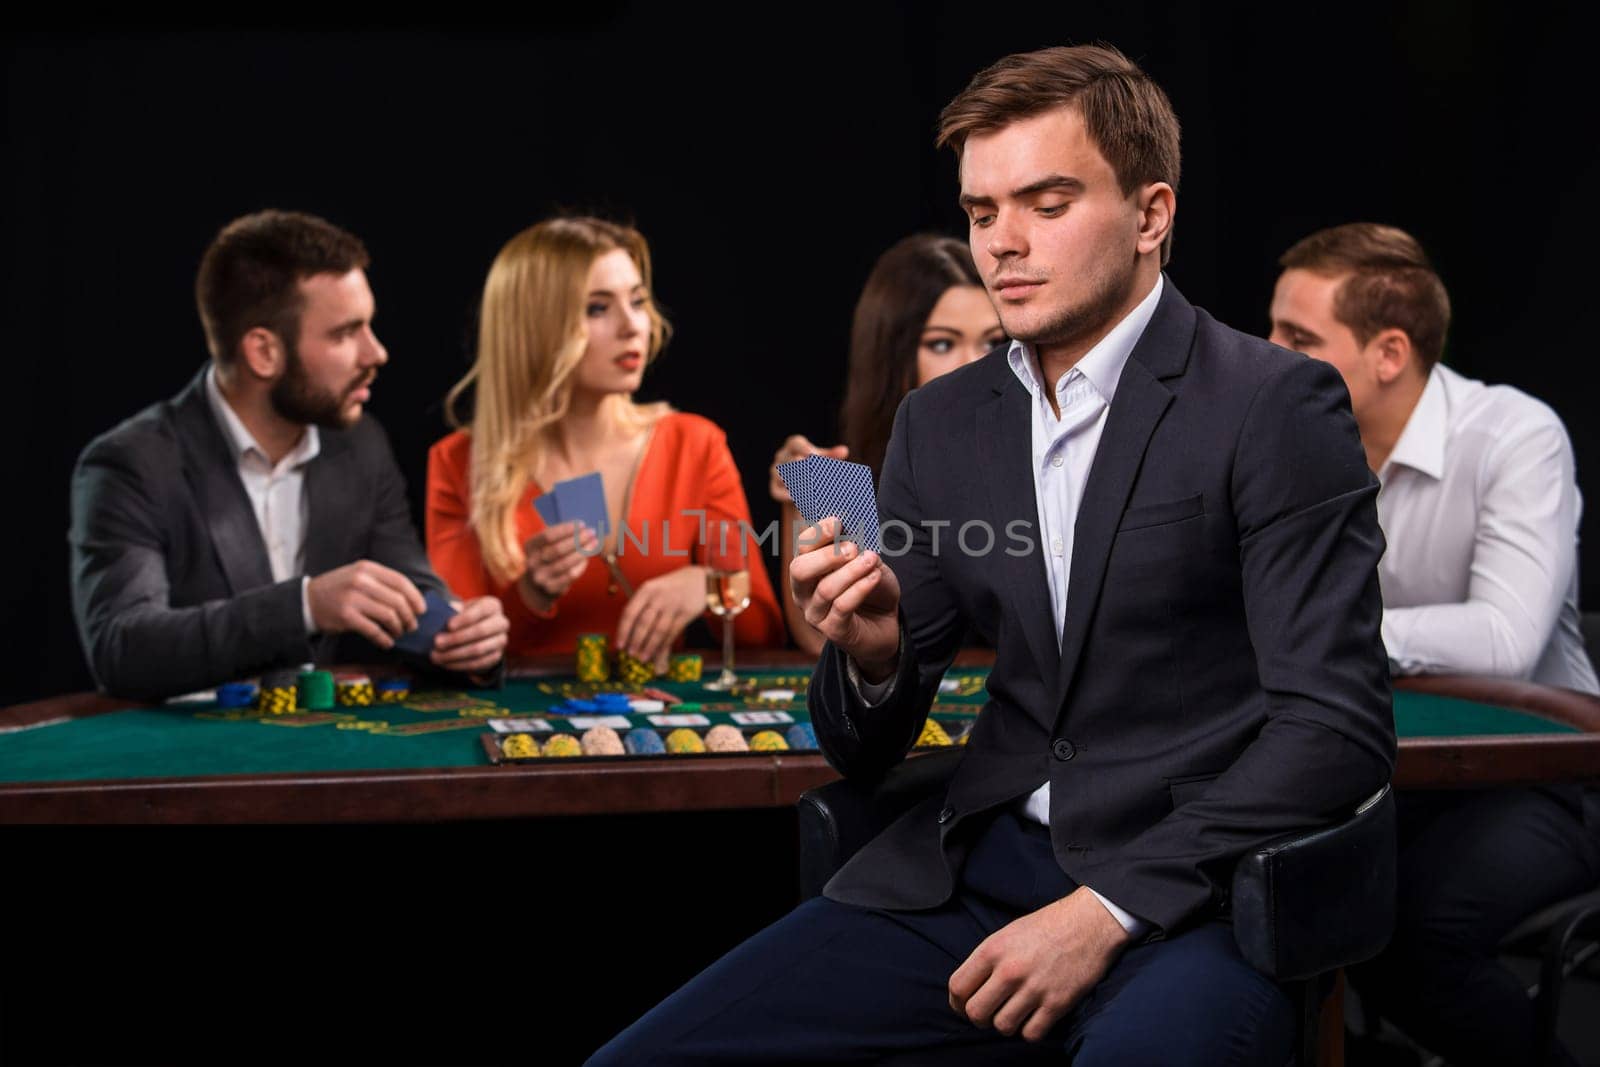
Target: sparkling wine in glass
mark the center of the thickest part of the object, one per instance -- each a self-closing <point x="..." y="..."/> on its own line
<point x="727" y="594"/>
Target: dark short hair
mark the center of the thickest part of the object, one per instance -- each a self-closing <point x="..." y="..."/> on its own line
<point x="901" y="292"/>
<point x="1389" y="283"/>
<point x="249" y="276"/>
<point x="1125" y="113"/>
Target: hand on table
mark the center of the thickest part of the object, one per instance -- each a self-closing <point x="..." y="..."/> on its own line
<point x="659" y="611"/>
<point x="850" y="596"/>
<point x="475" y="637"/>
<point x="367" y="598"/>
<point x="555" y="560"/>
<point x="1029" y="973"/>
<point x="793" y="448"/>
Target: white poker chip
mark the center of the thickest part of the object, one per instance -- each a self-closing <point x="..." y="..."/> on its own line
<point x="641" y="707"/>
<point x="775" y="694"/>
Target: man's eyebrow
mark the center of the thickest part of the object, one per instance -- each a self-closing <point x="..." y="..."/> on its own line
<point x="1291" y="325"/>
<point x="1049" y="183"/>
<point x="349" y="324"/>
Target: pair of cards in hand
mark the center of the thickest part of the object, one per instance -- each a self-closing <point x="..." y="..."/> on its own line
<point x="417" y="644"/>
<point x="823" y="486"/>
<point x="580" y="499"/>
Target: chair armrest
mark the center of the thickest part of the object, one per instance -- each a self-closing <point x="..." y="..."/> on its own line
<point x="838" y="818"/>
<point x="1321" y="900"/>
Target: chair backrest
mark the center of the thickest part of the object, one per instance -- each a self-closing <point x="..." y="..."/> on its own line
<point x="1590" y="623"/>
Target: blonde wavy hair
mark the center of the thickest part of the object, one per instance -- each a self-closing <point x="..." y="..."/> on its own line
<point x="531" y="336"/>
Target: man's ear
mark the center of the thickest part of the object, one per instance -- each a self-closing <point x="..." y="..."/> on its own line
<point x="1395" y="354"/>
<point x="1158" y="204"/>
<point x="261" y="354"/>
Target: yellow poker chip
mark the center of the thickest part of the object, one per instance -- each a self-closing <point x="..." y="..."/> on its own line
<point x="519" y="746"/>
<point x="563" y="745"/>
<point x="683" y="741"/>
<point x="933" y="735"/>
<point x="768" y="741"/>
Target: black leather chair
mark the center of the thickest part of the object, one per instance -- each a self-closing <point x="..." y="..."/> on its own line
<point x="1302" y="908"/>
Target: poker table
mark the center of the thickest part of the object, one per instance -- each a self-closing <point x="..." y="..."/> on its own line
<point x="431" y="758"/>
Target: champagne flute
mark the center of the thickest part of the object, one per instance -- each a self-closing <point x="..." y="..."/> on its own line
<point x="727" y="594"/>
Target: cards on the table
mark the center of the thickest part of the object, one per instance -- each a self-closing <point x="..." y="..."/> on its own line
<point x="823" y="486"/>
<point x="419" y="642"/>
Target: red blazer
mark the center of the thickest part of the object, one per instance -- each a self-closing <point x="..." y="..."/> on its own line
<point x="686" y="467"/>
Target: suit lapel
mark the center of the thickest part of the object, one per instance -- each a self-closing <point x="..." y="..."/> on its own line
<point x="1005" y="451"/>
<point x="1141" y="401"/>
<point x="213" y="477"/>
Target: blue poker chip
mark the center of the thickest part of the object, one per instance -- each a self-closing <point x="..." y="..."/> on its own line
<point x="641" y="741"/>
<point x="236" y="695"/>
<point x="580" y="705"/>
<point x="800" y="735"/>
<point x="393" y="685"/>
<point x="612" y="700"/>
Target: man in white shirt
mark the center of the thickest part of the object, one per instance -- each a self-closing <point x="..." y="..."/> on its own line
<point x="258" y="519"/>
<point x="1480" y="508"/>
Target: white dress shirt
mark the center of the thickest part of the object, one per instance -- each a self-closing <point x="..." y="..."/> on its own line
<point x="1480" y="506"/>
<point x="277" y="492"/>
<point x="1063" y="451"/>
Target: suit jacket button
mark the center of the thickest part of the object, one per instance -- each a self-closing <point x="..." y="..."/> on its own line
<point x="1062" y="749"/>
<point x="946" y="814"/>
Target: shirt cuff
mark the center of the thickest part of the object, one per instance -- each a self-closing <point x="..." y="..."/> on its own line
<point x="305" y="605"/>
<point x="1134" y="925"/>
<point x="873" y="694"/>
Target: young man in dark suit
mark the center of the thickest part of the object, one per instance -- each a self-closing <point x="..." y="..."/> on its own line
<point x="258" y="519"/>
<point x="1167" y="531"/>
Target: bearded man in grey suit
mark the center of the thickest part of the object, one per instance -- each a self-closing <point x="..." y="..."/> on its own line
<point x="258" y="520"/>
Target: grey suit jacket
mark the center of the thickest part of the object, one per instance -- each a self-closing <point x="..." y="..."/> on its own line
<point x="171" y="586"/>
<point x="1219" y="681"/>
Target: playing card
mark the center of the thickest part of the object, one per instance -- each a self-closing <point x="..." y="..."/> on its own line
<point x="838" y="487"/>
<point x="419" y="642"/>
<point x="584" y="499"/>
<point x="796" y="479"/>
<point x="547" y="507"/>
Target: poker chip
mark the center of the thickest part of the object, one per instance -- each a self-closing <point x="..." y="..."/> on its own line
<point x="646" y="707"/>
<point x="393" y="690"/>
<point x="684" y="667"/>
<point x="601" y="741"/>
<point x="933" y="736"/>
<point x="519" y="746"/>
<point x="236" y="695"/>
<point x="632" y="671"/>
<point x="643" y="742"/>
<point x="768" y="741"/>
<point x="315" y="690"/>
<point x="726" y="738"/>
<point x="563" y="745"/>
<point x="683" y="741"/>
<point x="801" y="736"/>
<point x="591" y="663"/>
<point x="275" y="699"/>
<point x="354" y="690"/>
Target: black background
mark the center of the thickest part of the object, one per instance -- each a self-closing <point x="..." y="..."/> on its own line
<point x="769" y="156"/>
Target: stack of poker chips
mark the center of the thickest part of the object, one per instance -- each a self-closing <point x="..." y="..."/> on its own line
<point x="355" y="691"/>
<point x="933" y="735"/>
<point x="278" y="691"/>
<point x="563" y="745"/>
<point x="768" y="741"/>
<point x="519" y="746"/>
<point x="393" y="690"/>
<point x="644" y="742"/>
<point x="591" y="664"/>
<point x="236" y="695"/>
<point x="726" y="738"/>
<point x="801" y="736"/>
<point x="684" y="740"/>
<point x="684" y="667"/>
<point x="315" y="690"/>
<point x="601" y="741"/>
<point x="634" y="672"/>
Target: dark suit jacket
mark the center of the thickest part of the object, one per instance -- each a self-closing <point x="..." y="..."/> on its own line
<point x="171" y="585"/>
<point x="1220" y="679"/>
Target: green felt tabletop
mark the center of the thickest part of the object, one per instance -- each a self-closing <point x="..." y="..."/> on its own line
<point x="437" y="729"/>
